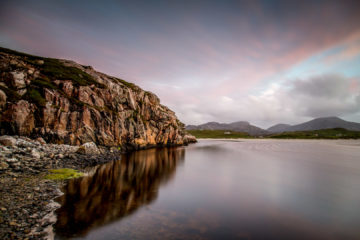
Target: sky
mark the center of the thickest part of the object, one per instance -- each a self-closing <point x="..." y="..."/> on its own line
<point x="265" y="62"/>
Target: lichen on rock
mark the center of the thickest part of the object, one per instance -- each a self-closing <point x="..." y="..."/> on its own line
<point x="63" y="174"/>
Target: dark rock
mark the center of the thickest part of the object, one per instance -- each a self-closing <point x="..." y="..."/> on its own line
<point x="3" y="165"/>
<point x="41" y="140"/>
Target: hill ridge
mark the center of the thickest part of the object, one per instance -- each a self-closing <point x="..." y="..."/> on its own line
<point x="317" y="124"/>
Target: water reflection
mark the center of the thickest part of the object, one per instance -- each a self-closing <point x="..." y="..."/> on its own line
<point x="115" y="190"/>
<point x="254" y="189"/>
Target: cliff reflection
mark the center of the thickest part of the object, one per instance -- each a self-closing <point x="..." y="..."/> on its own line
<point x="115" y="190"/>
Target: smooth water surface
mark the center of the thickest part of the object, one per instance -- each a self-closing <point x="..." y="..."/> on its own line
<point x="250" y="189"/>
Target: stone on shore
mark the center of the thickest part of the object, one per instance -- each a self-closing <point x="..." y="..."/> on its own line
<point x="7" y="140"/>
<point x="26" y="192"/>
<point x="88" y="148"/>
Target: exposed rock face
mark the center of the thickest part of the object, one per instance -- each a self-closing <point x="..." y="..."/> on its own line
<point x="65" y="102"/>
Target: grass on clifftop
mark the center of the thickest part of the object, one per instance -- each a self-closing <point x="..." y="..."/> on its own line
<point x="218" y="134"/>
<point x="54" y="69"/>
<point x="63" y="174"/>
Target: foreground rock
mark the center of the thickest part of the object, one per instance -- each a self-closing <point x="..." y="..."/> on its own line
<point x="26" y="207"/>
<point x="67" y="103"/>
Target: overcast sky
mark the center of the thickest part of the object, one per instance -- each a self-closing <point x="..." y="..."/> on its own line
<point x="264" y="62"/>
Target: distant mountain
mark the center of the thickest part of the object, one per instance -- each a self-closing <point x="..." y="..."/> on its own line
<point x="316" y="124"/>
<point x="240" y="126"/>
<point x="281" y="127"/>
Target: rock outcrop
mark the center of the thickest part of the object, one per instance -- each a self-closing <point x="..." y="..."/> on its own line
<point x="65" y="102"/>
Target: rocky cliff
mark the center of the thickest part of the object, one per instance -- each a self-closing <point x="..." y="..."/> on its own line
<point x="65" y="102"/>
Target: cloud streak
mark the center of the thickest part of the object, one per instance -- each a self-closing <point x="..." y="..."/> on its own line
<point x="302" y="99"/>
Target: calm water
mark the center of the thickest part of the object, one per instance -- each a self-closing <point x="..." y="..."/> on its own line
<point x="253" y="189"/>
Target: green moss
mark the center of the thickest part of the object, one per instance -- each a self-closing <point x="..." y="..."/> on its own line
<point x="63" y="174"/>
<point x="34" y="96"/>
<point x="44" y="82"/>
<point x="55" y="69"/>
<point x="127" y="84"/>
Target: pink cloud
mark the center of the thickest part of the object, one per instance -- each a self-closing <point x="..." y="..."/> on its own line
<point x="194" y="62"/>
<point x="350" y="48"/>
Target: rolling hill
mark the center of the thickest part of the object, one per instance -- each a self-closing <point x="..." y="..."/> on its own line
<point x="240" y="126"/>
<point x="316" y="124"/>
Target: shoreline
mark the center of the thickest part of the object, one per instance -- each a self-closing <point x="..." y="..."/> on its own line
<point x="346" y="142"/>
<point x="27" y="206"/>
<point x="27" y="197"/>
<point x="282" y="139"/>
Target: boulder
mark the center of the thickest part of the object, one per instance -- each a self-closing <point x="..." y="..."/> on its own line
<point x="30" y="71"/>
<point x="3" y="165"/>
<point x="18" y="79"/>
<point x="35" y="154"/>
<point x="41" y="140"/>
<point x="188" y="138"/>
<point x="7" y="141"/>
<point x="88" y="148"/>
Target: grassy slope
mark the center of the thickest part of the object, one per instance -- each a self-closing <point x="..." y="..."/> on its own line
<point x="335" y="133"/>
<point x="217" y="134"/>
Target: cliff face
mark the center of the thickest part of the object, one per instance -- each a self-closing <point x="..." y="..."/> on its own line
<point x="65" y="102"/>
